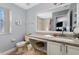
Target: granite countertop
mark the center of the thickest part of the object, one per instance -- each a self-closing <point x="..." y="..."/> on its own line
<point x="64" y="40"/>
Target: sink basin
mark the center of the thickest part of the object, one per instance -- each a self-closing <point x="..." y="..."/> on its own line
<point x="62" y="39"/>
<point x="67" y="40"/>
<point x="48" y="35"/>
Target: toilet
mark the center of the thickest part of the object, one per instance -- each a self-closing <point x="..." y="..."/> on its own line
<point x="20" y="46"/>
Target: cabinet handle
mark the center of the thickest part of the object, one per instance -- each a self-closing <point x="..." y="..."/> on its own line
<point x="61" y="48"/>
<point x="66" y="49"/>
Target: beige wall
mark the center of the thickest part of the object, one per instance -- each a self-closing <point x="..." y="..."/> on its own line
<point x="43" y="24"/>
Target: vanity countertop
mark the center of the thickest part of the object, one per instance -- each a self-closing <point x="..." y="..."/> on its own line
<point x="64" y="40"/>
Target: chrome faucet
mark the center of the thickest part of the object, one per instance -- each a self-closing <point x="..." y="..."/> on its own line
<point x="63" y="29"/>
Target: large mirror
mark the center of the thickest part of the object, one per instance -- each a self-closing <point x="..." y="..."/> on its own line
<point x="63" y="18"/>
<point x="5" y="18"/>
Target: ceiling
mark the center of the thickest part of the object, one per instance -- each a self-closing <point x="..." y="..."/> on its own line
<point x="26" y="5"/>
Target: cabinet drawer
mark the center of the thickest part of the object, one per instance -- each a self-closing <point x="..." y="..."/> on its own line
<point x="72" y="50"/>
<point x="73" y="47"/>
<point x="54" y="48"/>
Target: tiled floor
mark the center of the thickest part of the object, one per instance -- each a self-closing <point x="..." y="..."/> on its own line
<point x="28" y="52"/>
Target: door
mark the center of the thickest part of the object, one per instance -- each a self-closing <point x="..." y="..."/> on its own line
<point x="72" y="50"/>
<point x="54" y="48"/>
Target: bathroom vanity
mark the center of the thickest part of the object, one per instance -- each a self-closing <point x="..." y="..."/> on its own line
<point x="55" y="29"/>
<point x="56" y="45"/>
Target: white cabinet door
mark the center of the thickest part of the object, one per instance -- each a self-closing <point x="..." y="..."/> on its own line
<point x="72" y="50"/>
<point x="54" y="48"/>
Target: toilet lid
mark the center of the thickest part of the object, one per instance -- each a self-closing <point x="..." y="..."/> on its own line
<point x="19" y="44"/>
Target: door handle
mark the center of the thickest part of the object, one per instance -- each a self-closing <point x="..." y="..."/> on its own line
<point x="66" y="49"/>
<point x="60" y="48"/>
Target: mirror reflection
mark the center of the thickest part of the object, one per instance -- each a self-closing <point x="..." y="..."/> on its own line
<point x="58" y="19"/>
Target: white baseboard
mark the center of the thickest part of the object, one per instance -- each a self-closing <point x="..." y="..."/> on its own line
<point x="8" y="51"/>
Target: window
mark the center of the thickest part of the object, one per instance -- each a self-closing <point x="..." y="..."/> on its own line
<point x="1" y="19"/>
<point x="4" y="20"/>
